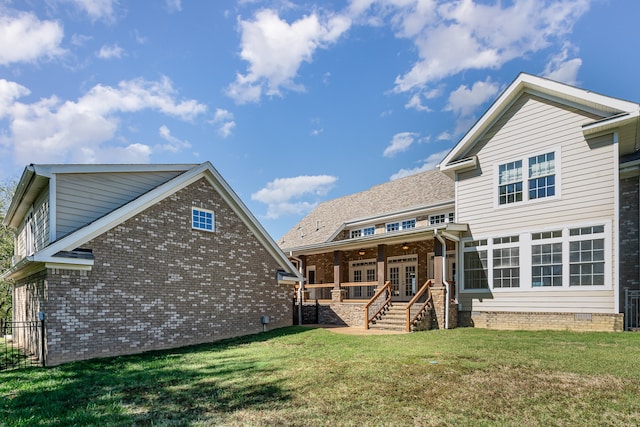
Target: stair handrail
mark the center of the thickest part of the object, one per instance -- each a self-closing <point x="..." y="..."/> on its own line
<point x="424" y="288"/>
<point x="386" y="288"/>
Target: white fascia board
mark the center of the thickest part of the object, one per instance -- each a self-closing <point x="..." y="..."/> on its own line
<point x="49" y="170"/>
<point x="610" y="123"/>
<point x="467" y="163"/>
<point x="546" y="88"/>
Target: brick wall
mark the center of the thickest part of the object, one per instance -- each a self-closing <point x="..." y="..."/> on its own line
<point x="629" y="238"/>
<point x="158" y="284"/>
<point x="542" y="321"/>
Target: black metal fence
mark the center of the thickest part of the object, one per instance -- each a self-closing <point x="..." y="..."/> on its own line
<point x="309" y="311"/>
<point x="21" y="344"/>
<point x="631" y="310"/>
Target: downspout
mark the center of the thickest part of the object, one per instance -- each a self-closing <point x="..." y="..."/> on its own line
<point x="300" y="269"/>
<point x="444" y="277"/>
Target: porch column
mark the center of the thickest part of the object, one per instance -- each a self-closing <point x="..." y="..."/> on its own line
<point x="437" y="262"/>
<point x="381" y="267"/>
<point x="337" y="294"/>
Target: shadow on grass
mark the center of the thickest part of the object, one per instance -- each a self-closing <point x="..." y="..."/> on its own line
<point x="171" y="387"/>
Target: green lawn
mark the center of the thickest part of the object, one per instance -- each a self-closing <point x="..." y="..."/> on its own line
<point x="301" y="376"/>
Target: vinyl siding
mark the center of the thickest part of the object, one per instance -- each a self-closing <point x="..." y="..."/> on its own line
<point x="40" y="211"/>
<point x="82" y="198"/>
<point x="555" y="301"/>
<point x="535" y="127"/>
<point x="41" y="218"/>
<point x="585" y="193"/>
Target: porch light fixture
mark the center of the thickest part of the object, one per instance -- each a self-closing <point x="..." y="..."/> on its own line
<point x="361" y="252"/>
<point x="405" y="246"/>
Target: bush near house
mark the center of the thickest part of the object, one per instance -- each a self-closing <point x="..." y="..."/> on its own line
<point x="304" y="376"/>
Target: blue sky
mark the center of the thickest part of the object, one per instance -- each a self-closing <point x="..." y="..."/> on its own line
<point x="294" y="102"/>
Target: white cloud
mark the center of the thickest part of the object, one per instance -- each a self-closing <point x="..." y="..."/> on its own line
<point x="430" y="163"/>
<point x="226" y="129"/>
<point x="173" y="5"/>
<point x="563" y="69"/>
<point x="275" y="50"/>
<point x="56" y="131"/>
<point x="453" y="37"/>
<point x="415" y="102"/>
<point x="174" y="145"/>
<point x="280" y="194"/>
<point x="225" y="121"/>
<point x="110" y="52"/>
<point x="464" y="101"/>
<point x="9" y="92"/>
<point x="24" y="38"/>
<point x="97" y="9"/>
<point x="400" y="142"/>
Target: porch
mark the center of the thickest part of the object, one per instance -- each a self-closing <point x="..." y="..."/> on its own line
<point x="368" y="286"/>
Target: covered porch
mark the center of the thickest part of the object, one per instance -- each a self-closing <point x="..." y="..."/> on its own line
<point x="351" y="277"/>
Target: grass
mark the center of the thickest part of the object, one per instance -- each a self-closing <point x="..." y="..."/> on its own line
<point x="302" y="376"/>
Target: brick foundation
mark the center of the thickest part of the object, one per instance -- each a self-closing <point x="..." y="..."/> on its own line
<point x="542" y="321"/>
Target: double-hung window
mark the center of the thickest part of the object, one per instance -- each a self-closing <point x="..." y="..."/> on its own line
<point x="506" y="262"/>
<point x="546" y="259"/>
<point x="510" y="182"/>
<point x="528" y="179"/>
<point x="542" y="177"/>
<point x="586" y="256"/>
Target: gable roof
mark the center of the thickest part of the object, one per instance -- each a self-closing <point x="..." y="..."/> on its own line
<point x="614" y="112"/>
<point x="398" y="197"/>
<point x="36" y="177"/>
<point x="57" y="252"/>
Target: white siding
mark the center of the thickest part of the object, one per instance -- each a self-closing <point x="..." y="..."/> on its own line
<point x="535" y="127"/>
<point x="585" y="193"/>
<point x="81" y="198"/>
<point x="540" y="301"/>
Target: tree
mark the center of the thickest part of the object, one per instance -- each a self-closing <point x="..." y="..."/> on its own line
<point x="6" y="249"/>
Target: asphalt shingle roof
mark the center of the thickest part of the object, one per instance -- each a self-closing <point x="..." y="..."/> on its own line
<point x="415" y="191"/>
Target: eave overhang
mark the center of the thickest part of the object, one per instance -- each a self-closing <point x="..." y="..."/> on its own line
<point x="450" y="230"/>
<point x="610" y="123"/>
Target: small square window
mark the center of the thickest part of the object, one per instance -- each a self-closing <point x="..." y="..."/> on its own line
<point x="202" y="220"/>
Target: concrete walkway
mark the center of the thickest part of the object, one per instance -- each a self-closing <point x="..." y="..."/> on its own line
<point x="355" y="330"/>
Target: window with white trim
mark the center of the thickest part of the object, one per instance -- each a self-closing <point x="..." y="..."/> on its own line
<point x="404" y="225"/>
<point x="506" y="262"/>
<point x="475" y="265"/>
<point x="441" y="218"/>
<point x="586" y="256"/>
<point x="202" y="219"/>
<point x="367" y="231"/>
<point x="546" y="259"/>
<point x="540" y="179"/>
<point x="30" y="234"/>
<point x="552" y="259"/>
<point x="510" y="182"/>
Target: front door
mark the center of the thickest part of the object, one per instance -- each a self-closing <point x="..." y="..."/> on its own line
<point x="402" y="273"/>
